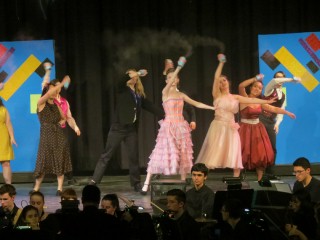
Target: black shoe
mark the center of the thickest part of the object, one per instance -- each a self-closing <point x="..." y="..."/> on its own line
<point x="143" y="192"/>
<point x="73" y="182"/>
<point x="58" y="193"/>
<point x="137" y="187"/>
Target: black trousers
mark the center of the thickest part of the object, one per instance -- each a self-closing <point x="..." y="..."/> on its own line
<point x="118" y="133"/>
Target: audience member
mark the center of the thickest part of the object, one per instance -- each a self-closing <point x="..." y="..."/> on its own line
<point x="233" y="227"/>
<point x="140" y="225"/>
<point x="302" y="171"/>
<point x="59" y="225"/>
<point x="178" y="224"/>
<point x="92" y="223"/>
<point x="29" y="217"/>
<point x="199" y="198"/>
<point x="110" y="203"/>
<point x="37" y="200"/>
<point x="299" y="218"/>
<point x="9" y="212"/>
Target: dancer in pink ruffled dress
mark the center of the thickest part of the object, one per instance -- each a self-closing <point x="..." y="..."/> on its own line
<point x="173" y="152"/>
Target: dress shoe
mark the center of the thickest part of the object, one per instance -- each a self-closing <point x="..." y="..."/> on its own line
<point x="58" y="193"/>
<point x="144" y="190"/>
<point x="73" y="182"/>
<point x="137" y="187"/>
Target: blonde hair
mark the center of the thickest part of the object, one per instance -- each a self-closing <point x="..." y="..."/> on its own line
<point x="139" y="89"/>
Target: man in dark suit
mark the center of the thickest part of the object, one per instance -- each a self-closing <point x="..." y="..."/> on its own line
<point x="130" y="100"/>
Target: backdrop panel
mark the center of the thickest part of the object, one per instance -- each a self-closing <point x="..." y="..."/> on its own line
<point x="22" y="73"/>
<point x="297" y="54"/>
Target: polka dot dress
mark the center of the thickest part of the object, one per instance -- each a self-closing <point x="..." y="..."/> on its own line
<point x="53" y="152"/>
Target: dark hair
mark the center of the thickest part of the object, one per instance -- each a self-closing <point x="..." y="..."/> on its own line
<point x="22" y="218"/>
<point x="234" y="207"/>
<point x="302" y="162"/>
<point x="91" y="194"/>
<point x="1" y="103"/>
<point x="200" y="167"/>
<point x="284" y="75"/>
<point x="178" y="193"/>
<point x="8" y="188"/>
<point x="170" y="70"/>
<point x="113" y="198"/>
<point x="306" y="205"/>
<point x="251" y="85"/>
<point x="68" y="194"/>
<point x="55" y="81"/>
<point x="46" y="88"/>
<point x="37" y="193"/>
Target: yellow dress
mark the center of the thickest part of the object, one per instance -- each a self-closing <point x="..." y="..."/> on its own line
<point x="6" y="151"/>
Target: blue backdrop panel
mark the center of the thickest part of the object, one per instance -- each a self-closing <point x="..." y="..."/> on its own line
<point x="22" y="73"/>
<point x="296" y="54"/>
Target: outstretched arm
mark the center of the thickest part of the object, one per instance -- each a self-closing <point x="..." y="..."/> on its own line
<point x="273" y="83"/>
<point x="216" y="84"/>
<point x="278" y="110"/>
<point x="195" y="103"/>
<point x="249" y="100"/>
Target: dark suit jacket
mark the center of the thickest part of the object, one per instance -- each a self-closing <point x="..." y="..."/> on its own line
<point x="127" y="105"/>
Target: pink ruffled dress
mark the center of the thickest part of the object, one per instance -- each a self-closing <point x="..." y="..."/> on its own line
<point x="222" y="147"/>
<point x="173" y="152"/>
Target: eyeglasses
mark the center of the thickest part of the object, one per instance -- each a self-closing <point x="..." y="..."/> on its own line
<point x="297" y="172"/>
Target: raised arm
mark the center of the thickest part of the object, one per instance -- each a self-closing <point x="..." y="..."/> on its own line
<point x="165" y="91"/>
<point x="216" y="83"/>
<point x="248" y="82"/>
<point x="46" y="79"/>
<point x="45" y="97"/>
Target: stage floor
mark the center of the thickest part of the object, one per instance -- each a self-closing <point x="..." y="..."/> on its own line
<point x="121" y="186"/>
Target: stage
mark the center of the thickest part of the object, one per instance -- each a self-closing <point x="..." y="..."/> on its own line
<point x="121" y="186"/>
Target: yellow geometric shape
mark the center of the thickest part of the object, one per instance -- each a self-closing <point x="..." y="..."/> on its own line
<point x="19" y="77"/>
<point x="296" y="68"/>
<point x="33" y="102"/>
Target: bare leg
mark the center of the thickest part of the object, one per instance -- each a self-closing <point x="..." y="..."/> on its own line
<point x="60" y="182"/>
<point x="236" y="172"/>
<point x="6" y="171"/>
<point x="259" y="173"/>
<point x="146" y="182"/>
<point x="183" y="176"/>
<point x="38" y="183"/>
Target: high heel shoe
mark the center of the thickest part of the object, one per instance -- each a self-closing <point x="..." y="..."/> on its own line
<point x="143" y="190"/>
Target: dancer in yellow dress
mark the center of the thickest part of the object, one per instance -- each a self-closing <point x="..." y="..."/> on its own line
<point x="7" y="139"/>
